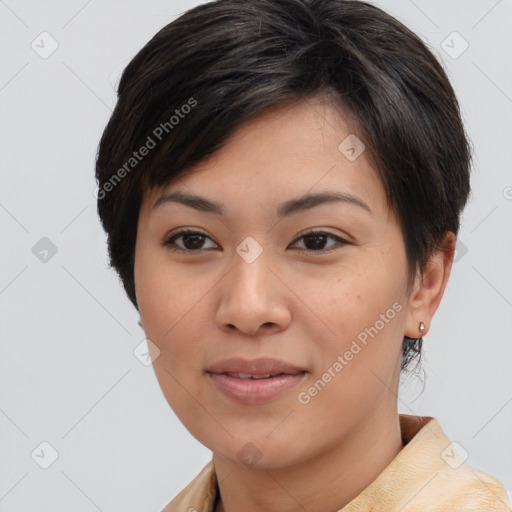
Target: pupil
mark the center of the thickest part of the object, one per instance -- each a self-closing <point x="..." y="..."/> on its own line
<point x="318" y="238"/>
<point x="196" y="241"/>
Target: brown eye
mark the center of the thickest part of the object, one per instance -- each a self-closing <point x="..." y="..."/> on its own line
<point x="191" y="241"/>
<point x="315" y="241"/>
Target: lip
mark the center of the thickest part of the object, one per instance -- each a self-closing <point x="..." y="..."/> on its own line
<point x="260" y="366"/>
<point x="254" y="391"/>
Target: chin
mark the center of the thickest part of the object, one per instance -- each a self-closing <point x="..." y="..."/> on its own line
<point x="258" y="452"/>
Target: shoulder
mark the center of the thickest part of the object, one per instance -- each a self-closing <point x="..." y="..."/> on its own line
<point x="429" y="475"/>
<point x="451" y="483"/>
<point x="464" y="489"/>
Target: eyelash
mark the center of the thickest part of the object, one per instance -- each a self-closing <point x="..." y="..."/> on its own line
<point x="169" y="242"/>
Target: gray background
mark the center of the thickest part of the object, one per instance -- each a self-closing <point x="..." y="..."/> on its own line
<point x="68" y="375"/>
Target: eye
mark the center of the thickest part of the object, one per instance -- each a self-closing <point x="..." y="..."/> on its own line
<point x="192" y="241"/>
<point x="317" y="240"/>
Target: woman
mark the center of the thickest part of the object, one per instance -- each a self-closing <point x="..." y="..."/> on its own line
<point x="281" y="184"/>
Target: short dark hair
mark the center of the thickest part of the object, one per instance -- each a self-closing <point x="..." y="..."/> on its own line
<point x="223" y="63"/>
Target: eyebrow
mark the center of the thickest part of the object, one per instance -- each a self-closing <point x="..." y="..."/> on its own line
<point x="284" y="209"/>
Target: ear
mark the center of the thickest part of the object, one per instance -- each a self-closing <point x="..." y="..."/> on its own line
<point x="429" y="288"/>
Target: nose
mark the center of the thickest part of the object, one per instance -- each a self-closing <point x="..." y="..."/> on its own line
<point x="253" y="297"/>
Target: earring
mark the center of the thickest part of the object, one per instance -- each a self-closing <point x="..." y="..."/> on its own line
<point x="422" y="326"/>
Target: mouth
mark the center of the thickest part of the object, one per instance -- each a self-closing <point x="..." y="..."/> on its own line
<point x="255" y="368"/>
<point x="253" y="376"/>
<point x="254" y="382"/>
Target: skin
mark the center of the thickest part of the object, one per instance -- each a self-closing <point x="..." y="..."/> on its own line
<point x="304" y="308"/>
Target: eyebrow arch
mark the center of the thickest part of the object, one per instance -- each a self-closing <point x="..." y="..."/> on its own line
<point x="284" y="209"/>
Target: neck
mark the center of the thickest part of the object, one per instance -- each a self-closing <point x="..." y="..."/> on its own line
<point x="327" y="481"/>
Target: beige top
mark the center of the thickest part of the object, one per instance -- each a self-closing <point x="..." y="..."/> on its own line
<point x="428" y="475"/>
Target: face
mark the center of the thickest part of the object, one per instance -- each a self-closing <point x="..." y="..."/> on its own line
<point x="319" y="286"/>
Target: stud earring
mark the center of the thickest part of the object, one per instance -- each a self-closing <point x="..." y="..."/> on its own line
<point x="422" y="326"/>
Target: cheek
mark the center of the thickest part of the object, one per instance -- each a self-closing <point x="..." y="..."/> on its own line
<point x="172" y="313"/>
<point x="364" y="312"/>
<point x="161" y="289"/>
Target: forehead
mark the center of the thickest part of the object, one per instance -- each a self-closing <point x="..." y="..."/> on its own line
<point x="287" y="151"/>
